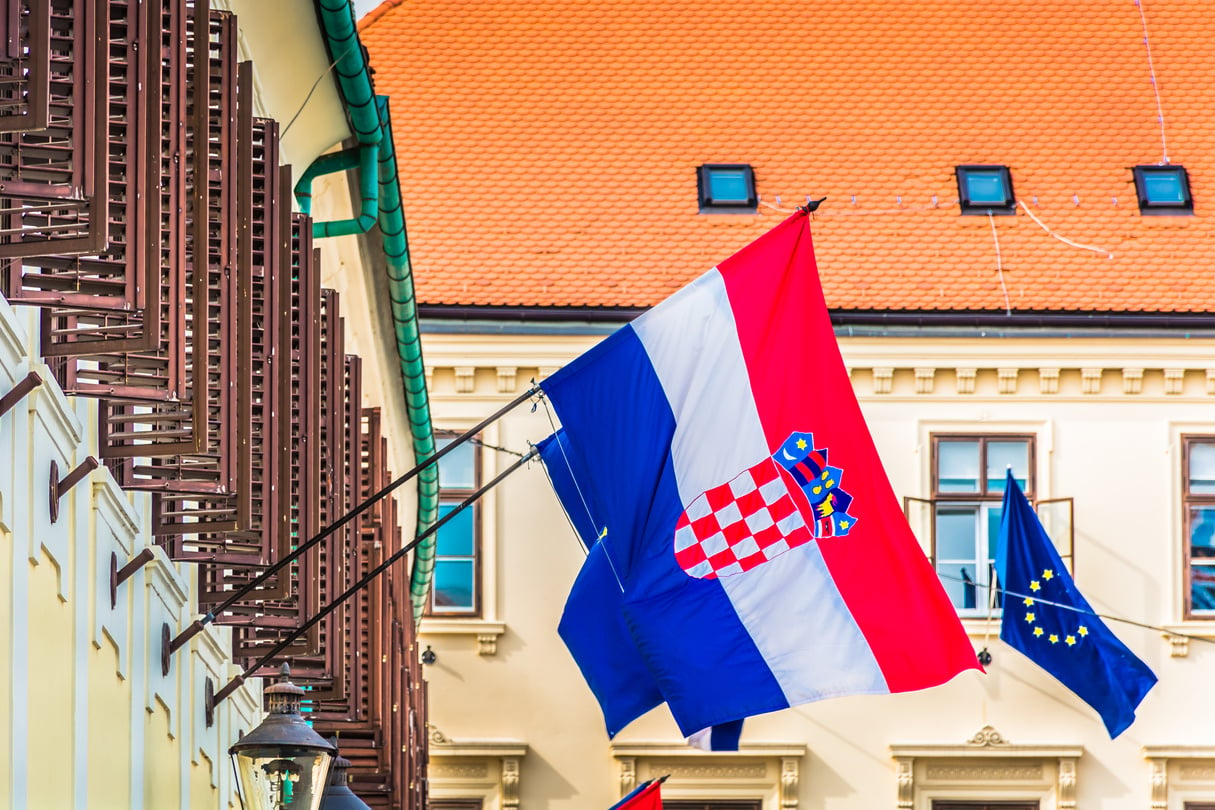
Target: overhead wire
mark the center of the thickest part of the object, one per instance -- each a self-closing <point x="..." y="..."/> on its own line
<point x="1107" y="616"/>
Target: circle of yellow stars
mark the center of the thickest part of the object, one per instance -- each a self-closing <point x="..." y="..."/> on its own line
<point x="1031" y="617"/>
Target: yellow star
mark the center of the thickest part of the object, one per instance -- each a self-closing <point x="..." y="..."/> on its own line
<point x="1029" y="617"/>
<point x="801" y="444"/>
<point x="1029" y="600"/>
<point x="1083" y="630"/>
<point x="1071" y="641"/>
<point x="1048" y="574"/>
<point x="844" y="524"/>
<point x="1038" y="631"/>
<point x="1035" y="585"/>
<point x="1054" y="639"/>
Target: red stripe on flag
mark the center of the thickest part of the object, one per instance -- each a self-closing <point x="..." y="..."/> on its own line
<point x="800" y="384"/>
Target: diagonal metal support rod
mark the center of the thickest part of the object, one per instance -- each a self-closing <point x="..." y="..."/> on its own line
<point x="197" y="625"/>
<point x="121" y="575"/>
<point x="18" y="391"/>
<point x="62" y="485"/>
<point x="236" y="682"/>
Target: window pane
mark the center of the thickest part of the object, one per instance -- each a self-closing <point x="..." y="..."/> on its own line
<point x="456" y="469"/>
<point x="1202" y="531"/>
<point x="1002" y="455"/>
<point x="956" y="533"/>
<point x="455" y="538"/>
<point x="1202" y="469"/>
<point x="958" y="466"/>
<point x="728" y="185"/>
<point x="958" y="579"/>
<point x="453" y="584"/>
<point x="986" y="186"/>
<point x="1163" y="187"/>
<point x="991" y="515"/>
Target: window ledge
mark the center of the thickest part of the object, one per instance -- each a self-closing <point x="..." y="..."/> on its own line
<point x="977" y="628"/>
<point x="486" y="631"/>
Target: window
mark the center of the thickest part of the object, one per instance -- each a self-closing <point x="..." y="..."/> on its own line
<point x="1198" y="458"/>
<point x="454" y="804"/>
<point x="968" y="475"/>
<point x="984" y="189"/>
<point x="1163" y="190"/>
<point x="455" y="591"/>
<point x="951" y="805"/>
<point x="702" y="805"/>
<point x="726" y="188"/>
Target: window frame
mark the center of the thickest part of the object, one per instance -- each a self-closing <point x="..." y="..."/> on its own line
<point x="972" y="208"/>
<point x="455" y="495"/>
<point x="982" y="500"/>
<point x="1188" y="502"/>
<point x="1149" y="208"/>
<point x="708" y="205"/>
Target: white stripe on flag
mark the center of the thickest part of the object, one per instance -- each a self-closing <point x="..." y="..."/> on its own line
<point x="789" y="606"/>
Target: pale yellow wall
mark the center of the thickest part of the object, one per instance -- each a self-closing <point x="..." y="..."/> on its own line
<point x="1110" y="444"/>
<point x="88" y="721"/>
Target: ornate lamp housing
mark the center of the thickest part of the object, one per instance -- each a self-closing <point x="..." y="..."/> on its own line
<point x="282" y="764"/>
<point x="338" y="795"/>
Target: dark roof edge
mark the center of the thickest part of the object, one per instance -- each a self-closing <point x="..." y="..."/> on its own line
<point x="1100" y="321"/>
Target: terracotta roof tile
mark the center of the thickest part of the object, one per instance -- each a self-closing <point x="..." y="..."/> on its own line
<point x="548" y="150"/>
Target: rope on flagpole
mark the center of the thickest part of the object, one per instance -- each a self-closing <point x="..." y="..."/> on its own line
<point x="582" y="497"/>
<point x="586" y="552"/>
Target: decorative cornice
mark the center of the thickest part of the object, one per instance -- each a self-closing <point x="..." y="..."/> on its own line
<point x="1002" y="376"/>
<point x="443" y="746"/>
<point x="965" y="380"/>
<point x="670" y="749"/>
<point x="987" y="742"/>
<point x="883" y="380"/>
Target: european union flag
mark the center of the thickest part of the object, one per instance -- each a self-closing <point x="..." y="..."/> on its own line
<point x="1047" y="619"/>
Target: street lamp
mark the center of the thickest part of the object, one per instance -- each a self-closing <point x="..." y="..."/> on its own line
<point x="282" y="764"/>
<point x="338" y="795"/>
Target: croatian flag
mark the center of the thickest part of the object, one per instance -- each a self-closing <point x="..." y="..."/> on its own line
<point x="746" y="551"/>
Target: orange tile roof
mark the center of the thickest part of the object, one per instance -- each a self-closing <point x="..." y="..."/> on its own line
<point x="548" y="149"/>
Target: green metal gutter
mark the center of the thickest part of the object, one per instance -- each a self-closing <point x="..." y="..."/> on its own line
<point x="371" y="124"/>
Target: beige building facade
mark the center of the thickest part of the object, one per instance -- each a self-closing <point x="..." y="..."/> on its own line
<point x="1108" y="420"/>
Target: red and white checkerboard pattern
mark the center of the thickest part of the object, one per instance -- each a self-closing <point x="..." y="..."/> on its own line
<point x="734" y="527"/>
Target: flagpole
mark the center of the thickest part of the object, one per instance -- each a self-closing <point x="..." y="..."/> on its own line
<point x="236" y="682"/>
<point x="197" y="625"/>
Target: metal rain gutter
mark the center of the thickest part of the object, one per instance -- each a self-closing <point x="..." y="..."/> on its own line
<point x="370" y="122"/>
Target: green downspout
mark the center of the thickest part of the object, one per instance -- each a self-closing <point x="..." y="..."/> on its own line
<point x="366" y="157"/>
<point x="369" y="119"/>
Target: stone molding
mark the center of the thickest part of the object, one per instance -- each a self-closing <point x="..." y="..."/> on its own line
<point x="1178" y="773"/>
<point x="491" y="769"/>
<point x="916" y="379"/>
<point x="988" y="764"/>
<point x="768" y="771"/>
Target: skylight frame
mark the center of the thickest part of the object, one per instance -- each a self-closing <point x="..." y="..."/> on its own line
<point x="730" y="205"/>
<point x="1007" y="206"/>
<point x="1149" y="207"/>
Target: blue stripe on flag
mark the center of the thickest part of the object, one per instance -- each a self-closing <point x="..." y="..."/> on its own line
<point x="616" y="418"/>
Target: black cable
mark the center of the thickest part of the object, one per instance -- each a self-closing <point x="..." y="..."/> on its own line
<point x="362" y="583"/>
